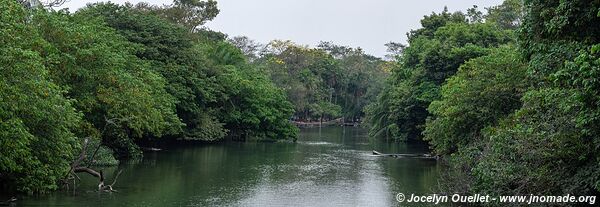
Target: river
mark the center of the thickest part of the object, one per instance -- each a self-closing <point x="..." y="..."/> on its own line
<point x="331" y="166"/>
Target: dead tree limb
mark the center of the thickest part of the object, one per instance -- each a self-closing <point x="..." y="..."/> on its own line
<point x="76" y="165"/>
<point x="71" y="174"/>
<point x="110" y="187"/>
<point x="108" y="122"/>
<point x="99" y="175"/>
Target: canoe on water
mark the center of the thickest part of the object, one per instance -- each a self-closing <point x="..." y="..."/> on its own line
<point x="425" y="156"/>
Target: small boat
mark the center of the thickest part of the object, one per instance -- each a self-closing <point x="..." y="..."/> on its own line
<point x="9" y="202"/>
<point x="424" y="156"/>
<point x="150" y="149"/>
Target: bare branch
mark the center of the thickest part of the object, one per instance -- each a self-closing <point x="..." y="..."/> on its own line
<point x="116" y="177"/>
<point x="53" y="3"/>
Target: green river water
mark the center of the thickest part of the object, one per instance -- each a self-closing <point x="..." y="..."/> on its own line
<point x="331" y="166"/>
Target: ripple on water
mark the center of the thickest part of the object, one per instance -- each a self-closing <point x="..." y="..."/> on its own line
<point x="317" y="143"/>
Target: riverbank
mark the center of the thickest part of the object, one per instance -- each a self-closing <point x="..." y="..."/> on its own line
<point x="335" y="122"/>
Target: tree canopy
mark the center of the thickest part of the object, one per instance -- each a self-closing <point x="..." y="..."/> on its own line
<point x="327" y="82"/>
<point x="509" y="98"/>
<point x="435" y="53"/>
<point x="122" y="75"/>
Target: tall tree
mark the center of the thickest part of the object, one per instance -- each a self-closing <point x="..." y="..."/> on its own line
<point x="117" y="92"/>
<point x="191" y="14"/>
<point x="249" y="47"/>
<point x="435" y="53"/>
<point x="550" y="145"/>
<point x="37" y="121"/>
<point x="483" y="91"/>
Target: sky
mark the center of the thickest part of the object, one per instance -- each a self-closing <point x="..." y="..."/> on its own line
<point x="368" y="24"/>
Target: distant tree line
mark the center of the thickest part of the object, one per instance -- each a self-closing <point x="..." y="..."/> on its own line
<point x="323" y="83"/>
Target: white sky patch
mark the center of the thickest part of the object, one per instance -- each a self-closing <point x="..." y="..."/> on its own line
<point x="368" y="24"/>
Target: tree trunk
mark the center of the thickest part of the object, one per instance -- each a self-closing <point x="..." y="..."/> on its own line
<point x="77" y="168"/>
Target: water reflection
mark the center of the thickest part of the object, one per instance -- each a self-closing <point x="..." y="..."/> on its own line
<point x="326" y="167"/>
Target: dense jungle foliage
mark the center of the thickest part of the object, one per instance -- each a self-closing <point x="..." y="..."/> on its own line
<point x="509" y="98"/>
<point x="121" y="74"/>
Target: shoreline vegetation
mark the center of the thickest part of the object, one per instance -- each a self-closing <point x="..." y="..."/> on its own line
<point x="507" y="97"/>
<point x="86" y="89"/>
<point x="335" y="122"/>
